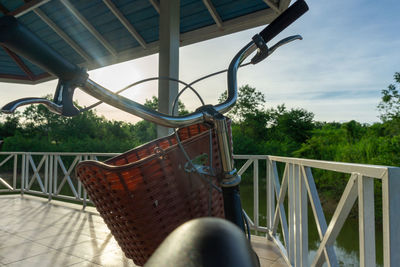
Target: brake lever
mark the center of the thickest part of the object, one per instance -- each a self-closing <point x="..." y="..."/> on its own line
<point x="62" y="104"/>
<point x="284" y="41"/>
<point x="12" y="106"/>
<point x="263" y="50"/>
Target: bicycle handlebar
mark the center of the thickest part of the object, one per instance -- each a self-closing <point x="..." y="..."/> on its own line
<point x="132" y="107"/>
<point x="290" y="15"/>
<point x="20" y="40"/>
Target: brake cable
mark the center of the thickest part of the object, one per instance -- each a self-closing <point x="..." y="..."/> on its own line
<point x="165" y="78"/>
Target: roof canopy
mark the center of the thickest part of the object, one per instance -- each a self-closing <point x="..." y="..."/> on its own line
<point x="98" y="33"/>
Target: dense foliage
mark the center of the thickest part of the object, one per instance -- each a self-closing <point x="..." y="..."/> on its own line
<point x="256" y="130"/>
<point x="38" y="129"/>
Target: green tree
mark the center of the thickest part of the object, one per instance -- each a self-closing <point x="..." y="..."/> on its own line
<point x="295" y="124"/>
<point x="390" y="101"/>
<point x="153" y="104"/>
<point x="10" y="125"/>
<point x="250" y="103"/>
<point x="276" y="131"/>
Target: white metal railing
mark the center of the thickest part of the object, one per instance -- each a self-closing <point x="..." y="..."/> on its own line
<point x="45" y="174"/>
<point x="48" y="174"/>
<point x="298" y="186"/>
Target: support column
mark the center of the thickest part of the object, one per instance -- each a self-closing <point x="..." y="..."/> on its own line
<point x="168" y="58"/>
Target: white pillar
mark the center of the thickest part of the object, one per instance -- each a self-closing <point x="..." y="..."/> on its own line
<point x="168" y="58"/>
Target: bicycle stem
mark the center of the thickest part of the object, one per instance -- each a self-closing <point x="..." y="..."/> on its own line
<point x="231" y="179"/>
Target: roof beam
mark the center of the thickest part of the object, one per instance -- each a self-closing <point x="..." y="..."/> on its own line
<point x="20" y="63"/>
<point x="88" y="26"/>
<point x="213" y="12"/>
<point x="156" y="5"/>
<point x="11" y="78"/>
<point x="249" y="21"/>
<point x="245" y="22"/>
<point x="29" y="6"/>
<point x="15" y="57"/>
<point x="125" y="22"/>
<point x="62" y="34"/>
<point x="272" y="5"/>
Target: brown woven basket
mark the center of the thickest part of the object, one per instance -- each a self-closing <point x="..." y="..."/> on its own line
<point x="145" y="193"/>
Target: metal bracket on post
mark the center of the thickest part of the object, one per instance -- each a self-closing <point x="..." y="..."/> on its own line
<point x="231" y="176"/>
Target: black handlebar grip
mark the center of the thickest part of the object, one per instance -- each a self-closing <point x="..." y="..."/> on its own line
<point x="290" y="15"/>
<point x="22" y="41"/>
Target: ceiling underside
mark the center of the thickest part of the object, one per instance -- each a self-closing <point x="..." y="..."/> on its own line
<point x="98" y="33"/>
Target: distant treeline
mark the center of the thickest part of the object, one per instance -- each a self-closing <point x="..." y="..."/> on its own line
<point x="256" y="130"/>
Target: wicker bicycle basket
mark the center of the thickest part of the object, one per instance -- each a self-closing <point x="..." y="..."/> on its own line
<point x="145" y="193"/>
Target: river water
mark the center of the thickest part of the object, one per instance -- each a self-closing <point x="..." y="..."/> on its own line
<point x="346" y="245"/>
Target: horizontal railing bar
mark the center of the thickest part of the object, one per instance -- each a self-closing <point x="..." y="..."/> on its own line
<point x="34" y="192"/>
<point x="71" y="198"/>
<point x="13" y="191"/>
<point x="250" y="156"/>
<point x="9" y="191"/>
<point x="259" y="229"/>
<point x="373" y="171"/>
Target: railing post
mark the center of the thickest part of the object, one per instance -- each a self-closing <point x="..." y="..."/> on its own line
<point x="51" y="176"/>
<point x="256" y="196"/>
<point x="85" y="157"/>
<point x="301" y="219"/>
<point x="297" y="214"/>
<point x="270" y="194"/>
<point x="391" y="217"/>
<point x="15" y="171"/>
<point x="55" y="174"/>
<point x="46" y="174"/>
<point x="27" y="158"/>
<point x="23" y="173"/>
<point x="291" y="207"/>
<point x="366" y="214"/>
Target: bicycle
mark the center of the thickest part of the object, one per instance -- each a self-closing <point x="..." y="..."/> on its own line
<point x="18" y="39"/>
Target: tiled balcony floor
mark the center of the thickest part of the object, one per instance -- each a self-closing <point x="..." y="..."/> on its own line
<point x="34" y="232"/>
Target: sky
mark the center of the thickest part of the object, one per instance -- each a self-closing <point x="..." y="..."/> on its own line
<point x="350" y="52"/>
